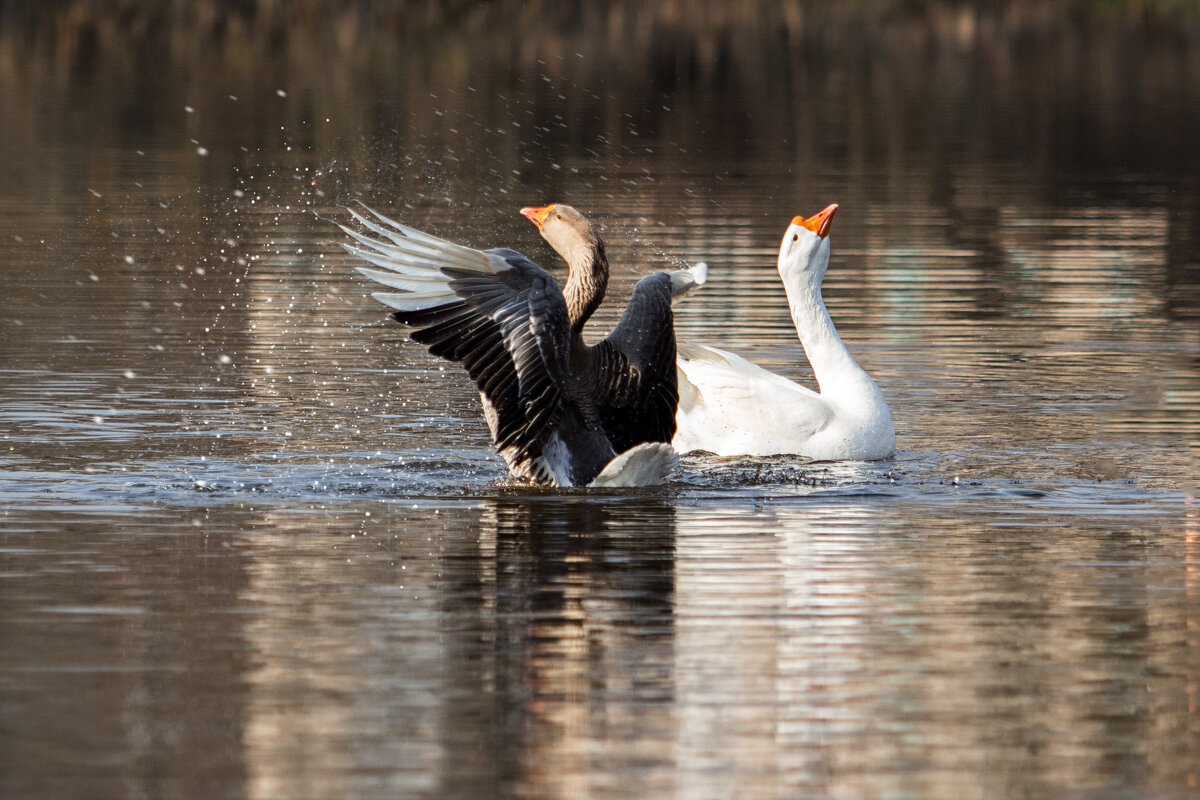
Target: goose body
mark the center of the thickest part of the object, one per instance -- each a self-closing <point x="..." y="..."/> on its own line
<point x="730" y="406"/>
<point x="561" y="412"/>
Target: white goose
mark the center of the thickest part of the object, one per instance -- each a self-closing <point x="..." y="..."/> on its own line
<point x="729" y="406"/>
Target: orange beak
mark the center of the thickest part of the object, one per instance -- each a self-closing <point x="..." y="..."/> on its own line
<point x="818" y="224"/>
<point x="537" y="214"/>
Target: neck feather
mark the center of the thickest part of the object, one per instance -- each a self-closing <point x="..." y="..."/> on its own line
<point x="832" y="364"/>
<point x="587" y="280"/>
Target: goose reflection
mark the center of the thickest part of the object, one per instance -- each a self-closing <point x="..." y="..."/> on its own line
<point x="581" y="596"/>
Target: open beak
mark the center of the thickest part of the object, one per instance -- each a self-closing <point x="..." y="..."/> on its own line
<point x="818" y="224"/>
<point x="537" y="214"/>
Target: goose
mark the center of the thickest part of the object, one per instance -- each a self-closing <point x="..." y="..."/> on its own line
<point x="730" y="406"/>
<point x="561" y="412"/>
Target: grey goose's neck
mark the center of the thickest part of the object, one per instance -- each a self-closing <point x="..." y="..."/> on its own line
<point x="587" y="280"/>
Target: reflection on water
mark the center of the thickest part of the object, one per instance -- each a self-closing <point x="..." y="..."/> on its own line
<point x="252" y="543"/>
<point x="544" y="611"/>
<point x="559" y="647"/>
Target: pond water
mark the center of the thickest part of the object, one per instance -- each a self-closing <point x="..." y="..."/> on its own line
<point x="253" y="543"/>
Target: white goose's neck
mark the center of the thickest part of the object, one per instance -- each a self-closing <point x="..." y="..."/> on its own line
<point x="859" y="424"/>
<point x="833" y="366"/>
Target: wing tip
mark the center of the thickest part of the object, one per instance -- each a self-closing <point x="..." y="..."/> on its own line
<point x="688" y="279"/>
<point x="415" y="301"/>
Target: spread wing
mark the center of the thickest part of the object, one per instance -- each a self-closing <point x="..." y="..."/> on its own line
<point x="496" y="312"/>
<point x="637" y="391"/>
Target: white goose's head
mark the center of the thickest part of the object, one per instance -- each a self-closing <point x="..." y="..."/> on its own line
<point x="804" y="252"/>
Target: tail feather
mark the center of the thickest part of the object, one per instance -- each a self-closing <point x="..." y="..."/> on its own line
<point x="647" y="464"/>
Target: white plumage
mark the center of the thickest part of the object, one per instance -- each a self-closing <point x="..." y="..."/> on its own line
<point x="730" y="406"/>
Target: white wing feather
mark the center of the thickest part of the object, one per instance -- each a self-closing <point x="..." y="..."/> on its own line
<point x="715" y="390"/>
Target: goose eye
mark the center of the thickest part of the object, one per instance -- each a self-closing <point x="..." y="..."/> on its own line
<point x="795" y="237"/>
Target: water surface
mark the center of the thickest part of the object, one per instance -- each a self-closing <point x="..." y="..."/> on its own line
<point x="255" y="544"/>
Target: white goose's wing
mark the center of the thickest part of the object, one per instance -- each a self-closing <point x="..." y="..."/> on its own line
<point x="731" y="406"/>
<point x="496" y="312"/>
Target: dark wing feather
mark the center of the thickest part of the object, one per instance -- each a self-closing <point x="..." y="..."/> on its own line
<point x="637" y="392"/>
<point x="496" y="312"/>
<point x="510" y="331"/>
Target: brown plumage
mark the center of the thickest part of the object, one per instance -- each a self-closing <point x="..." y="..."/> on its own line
<point x="560" y="411"/>
<point x="629" y="377"/>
